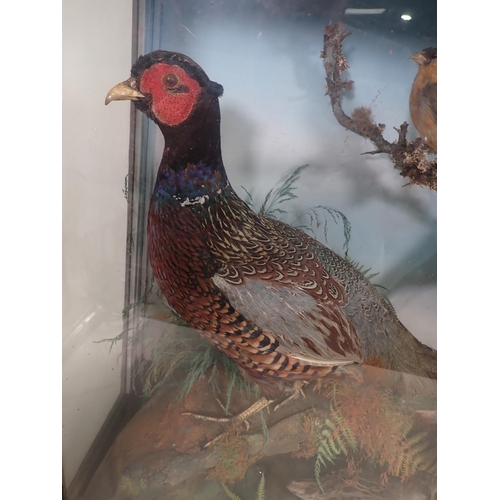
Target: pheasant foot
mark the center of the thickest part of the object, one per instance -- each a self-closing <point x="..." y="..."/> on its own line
<point x="241" y="418"/>
<point x="297" y="391"/>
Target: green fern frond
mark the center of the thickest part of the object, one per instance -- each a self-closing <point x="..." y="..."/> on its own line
<point x="327" y="449"/>
<point x="404" y="426"/>
<point x="261" y="489"/>
<point x="427" y="462"/>
<point x="349" y="438"/>
<point x="317" y="469"/>
<point x="417" y="438"/>
<point x="229" y="493"/>
<point x="416" y="463"/>
<point x="420" y="447"/>
<point x="415" y="453"/>
<point x="337" y="439"/>
<point x="396" y="468"/>
<point x="422" y="454"/>
<point x="407" y="466"/>
<point x="260" y="494"/>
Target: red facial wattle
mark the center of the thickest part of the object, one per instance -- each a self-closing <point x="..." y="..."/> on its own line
<point x="173" y="92"/>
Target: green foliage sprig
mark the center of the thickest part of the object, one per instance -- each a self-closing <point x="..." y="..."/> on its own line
<point x="260" y="494"/>
<point x="284" y="191"/>
<point x="337" y="438"/>
<point x="195" y="358"/>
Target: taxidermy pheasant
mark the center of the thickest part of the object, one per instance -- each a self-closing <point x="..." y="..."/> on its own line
<point x="282" y="305"/>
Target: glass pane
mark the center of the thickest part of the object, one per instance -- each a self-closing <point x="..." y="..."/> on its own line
<point x="359" y="431"/>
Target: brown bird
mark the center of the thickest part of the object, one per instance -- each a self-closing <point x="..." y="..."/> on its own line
<point x="278" y="302"/>
<point x="423" y="96"/>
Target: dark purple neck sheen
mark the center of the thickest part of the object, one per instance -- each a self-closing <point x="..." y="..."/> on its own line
<point x="189" y="185"/>
<point x="191" y="170"/>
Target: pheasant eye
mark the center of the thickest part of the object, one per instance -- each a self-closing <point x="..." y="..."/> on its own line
<point x="170" y="80"/>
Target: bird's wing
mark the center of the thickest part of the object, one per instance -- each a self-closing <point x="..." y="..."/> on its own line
<point x="429" y="99"/>
<point x="273" y="275"/>
<point x="311" y="331"/>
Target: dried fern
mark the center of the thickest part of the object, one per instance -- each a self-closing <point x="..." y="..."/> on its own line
<point x="369" y="424"/>
<point x="420" y="455"/>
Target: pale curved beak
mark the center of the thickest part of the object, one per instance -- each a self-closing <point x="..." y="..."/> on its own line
<point x="419" y="58"/>
<point x="125" y="91"/>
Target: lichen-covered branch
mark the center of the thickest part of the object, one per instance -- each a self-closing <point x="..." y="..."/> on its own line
<point x="409" y="157"/>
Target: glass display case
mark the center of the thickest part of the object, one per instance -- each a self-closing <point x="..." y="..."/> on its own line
<point x="347" y="164"/>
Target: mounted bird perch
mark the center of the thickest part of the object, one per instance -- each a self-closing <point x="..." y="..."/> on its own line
<point x="409" y="157"/>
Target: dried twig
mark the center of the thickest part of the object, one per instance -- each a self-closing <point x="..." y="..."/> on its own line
<point x="408" y="156"/>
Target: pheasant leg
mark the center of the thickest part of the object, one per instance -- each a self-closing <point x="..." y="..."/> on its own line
<point x="297" y="391"/>
<point x="233" y="421"/>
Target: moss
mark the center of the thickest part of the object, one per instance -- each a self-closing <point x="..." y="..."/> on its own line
<point x="312" y="425"/>
<point x="233" y="462"/>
